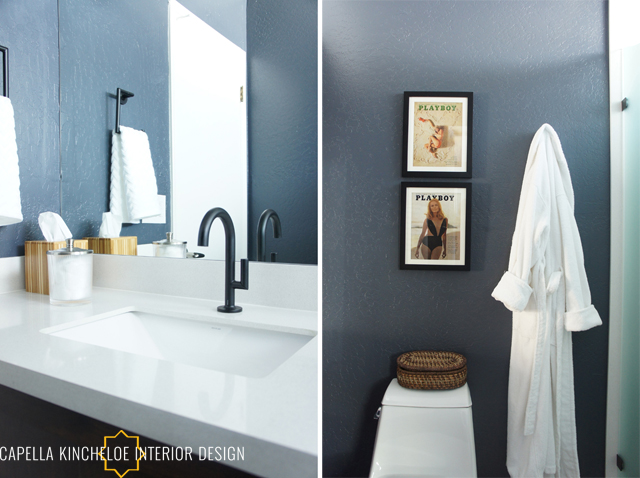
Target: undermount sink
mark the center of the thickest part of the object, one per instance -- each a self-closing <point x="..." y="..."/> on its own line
<point x="230" y="346"/>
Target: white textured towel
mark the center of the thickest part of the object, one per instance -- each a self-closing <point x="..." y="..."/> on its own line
<point x="133" y="180"/>
<point x="10" y="207"/>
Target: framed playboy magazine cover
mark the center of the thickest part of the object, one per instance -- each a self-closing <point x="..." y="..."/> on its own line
<point x="435" y="226"/>
<point x="437" y="134"/>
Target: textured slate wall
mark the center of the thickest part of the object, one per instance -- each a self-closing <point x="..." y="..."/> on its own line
<point x="527" y="62"/>
<point x="30" y="31"/>
<point x="282" y="97"/>
<point x="105" y="45"/>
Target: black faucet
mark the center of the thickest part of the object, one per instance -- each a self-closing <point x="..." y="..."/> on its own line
<point x="230" y="284"/>
<point x="262" y="233"/>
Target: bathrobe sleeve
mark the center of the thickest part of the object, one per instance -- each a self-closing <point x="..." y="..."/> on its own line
<point x="579" y="312"/>
<point x="531" y="234"/>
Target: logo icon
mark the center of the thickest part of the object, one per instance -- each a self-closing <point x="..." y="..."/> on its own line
<point x="121" y="453"/>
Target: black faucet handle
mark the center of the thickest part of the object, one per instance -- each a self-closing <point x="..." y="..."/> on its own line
<point x="243" y="283"/>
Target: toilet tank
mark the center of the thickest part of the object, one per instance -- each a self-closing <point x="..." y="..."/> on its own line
<point x="424" y="433"/>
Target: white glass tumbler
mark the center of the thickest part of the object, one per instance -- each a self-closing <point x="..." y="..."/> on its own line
<point x="70" y="275"/>
<point x="170" y="247"/>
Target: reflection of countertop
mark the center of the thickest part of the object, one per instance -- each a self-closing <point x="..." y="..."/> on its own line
<point x="274" y="418"/>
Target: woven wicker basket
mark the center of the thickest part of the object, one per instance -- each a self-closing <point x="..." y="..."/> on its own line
<point x="432" y="370"/>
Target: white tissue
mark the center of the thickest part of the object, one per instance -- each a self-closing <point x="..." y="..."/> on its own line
<point x="111" y="225"/>
<point x="53" y="227"/>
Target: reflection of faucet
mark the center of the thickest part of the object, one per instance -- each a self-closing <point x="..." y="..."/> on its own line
<point x="262" y="233"/>
<point x="230" y="284"/>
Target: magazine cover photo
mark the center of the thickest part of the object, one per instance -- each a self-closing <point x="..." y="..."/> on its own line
<point x="435" y="226"/>
<point x="437" y="135"/>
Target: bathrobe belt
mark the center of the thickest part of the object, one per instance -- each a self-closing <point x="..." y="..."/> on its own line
<point x="541" y="342"/>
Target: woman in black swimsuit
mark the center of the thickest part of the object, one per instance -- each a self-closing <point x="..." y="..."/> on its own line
<point x="433" y="239"/>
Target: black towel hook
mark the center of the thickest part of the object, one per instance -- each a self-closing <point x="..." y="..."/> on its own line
<point x="123" y="96"/>
<point x="5" y="70"/>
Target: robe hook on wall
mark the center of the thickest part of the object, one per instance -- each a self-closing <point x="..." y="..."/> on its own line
<point x="5" y="70"/>
<point x="122" y="97"/>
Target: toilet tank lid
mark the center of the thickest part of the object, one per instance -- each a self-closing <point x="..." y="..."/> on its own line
<point x="397" y="396"/>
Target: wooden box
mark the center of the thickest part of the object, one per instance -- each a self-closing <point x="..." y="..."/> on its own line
<point x="35" y="263"/>
<point x="122" y="246"/>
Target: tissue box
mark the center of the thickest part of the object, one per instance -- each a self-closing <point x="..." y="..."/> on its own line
<point x="122" y="246"/>
<point x="35" y="263"/>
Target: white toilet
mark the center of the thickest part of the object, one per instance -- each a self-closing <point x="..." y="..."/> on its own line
<point x="424" y="433"/>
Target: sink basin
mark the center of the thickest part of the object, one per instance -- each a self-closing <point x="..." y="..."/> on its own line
<point x="230" y="346"/>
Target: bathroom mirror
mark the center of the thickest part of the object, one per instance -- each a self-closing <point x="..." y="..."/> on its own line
<point x="118" y="44"/>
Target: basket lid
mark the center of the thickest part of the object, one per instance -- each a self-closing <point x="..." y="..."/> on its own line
<point x="397" y="396"/>
<point x="431" y="361"/>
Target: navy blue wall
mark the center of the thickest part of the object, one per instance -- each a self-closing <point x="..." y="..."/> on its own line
<point x="107" y="45"/>
<point x="527" y="63"/>
<point x="30" y="31"/>
<point x="282" y="70"/>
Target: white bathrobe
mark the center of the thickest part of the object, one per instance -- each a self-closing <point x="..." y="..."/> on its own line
<point x="546" y="288"/>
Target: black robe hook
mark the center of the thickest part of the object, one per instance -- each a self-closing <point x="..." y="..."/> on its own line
<point x="5" y="70"/>
<point x="123" y="96"/>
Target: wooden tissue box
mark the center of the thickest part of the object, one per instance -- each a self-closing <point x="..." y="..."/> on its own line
<point x="122" y="246"/>
<point x="35" y="263"/>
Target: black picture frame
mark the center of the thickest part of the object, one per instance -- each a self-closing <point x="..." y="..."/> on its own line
<point x="455" y="203"/>
<point x="437" y="134"/>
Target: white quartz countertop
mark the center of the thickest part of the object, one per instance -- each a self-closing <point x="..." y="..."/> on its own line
<point x="274" y="417"/>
